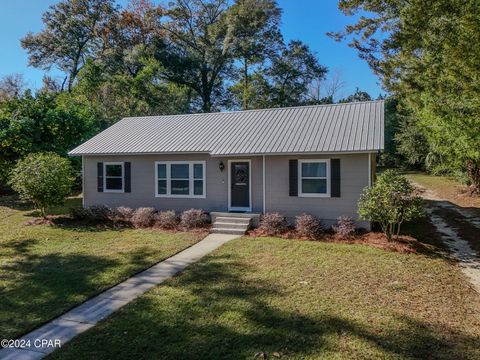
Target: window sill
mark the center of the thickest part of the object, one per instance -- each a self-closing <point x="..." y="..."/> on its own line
<point x="181" y="196"/>
<point x="315" y="195"/>
<point x="114" y="191"/>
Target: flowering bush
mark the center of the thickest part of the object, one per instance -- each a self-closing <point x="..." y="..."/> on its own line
<point x="345" y="227"/>
<point x="308" y="226"/>
<point x="143" y="217"/>
<point x="194" y="218"/>
<point x="273" y="224"/>
<point x="166" y="219"/>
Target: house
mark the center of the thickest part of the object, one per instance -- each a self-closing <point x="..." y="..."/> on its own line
<point x="308" y="159"/>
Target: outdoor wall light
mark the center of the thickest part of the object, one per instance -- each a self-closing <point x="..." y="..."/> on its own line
<point x="221" y="166"/>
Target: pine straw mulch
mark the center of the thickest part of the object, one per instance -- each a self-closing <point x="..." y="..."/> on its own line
<point x="401" y="244"/>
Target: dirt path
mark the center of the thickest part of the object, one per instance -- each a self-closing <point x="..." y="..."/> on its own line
<point x="460" y="230"/>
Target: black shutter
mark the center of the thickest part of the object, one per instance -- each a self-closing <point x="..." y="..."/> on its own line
<point x="128" y="181"/>
<point x="100" y="177"/>
<point x="335" y="177"/>
<point x="293" y="177"/>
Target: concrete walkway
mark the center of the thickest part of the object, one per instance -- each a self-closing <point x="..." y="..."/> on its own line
<point x="44" y="340"/>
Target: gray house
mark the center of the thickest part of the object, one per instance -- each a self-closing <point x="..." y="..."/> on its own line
<point x="309" y="159"/>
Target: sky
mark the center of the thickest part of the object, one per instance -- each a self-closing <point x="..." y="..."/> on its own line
<point x="305" y="20"/>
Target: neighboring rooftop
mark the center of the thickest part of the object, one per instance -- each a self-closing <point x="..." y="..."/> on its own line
<point x="348" y="127"/>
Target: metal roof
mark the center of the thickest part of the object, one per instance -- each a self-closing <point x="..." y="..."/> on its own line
<point x="348" y="127"/>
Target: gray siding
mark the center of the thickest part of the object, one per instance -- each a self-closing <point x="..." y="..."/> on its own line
<point x="353" y="170"/>
<point x="354" y="177"/>
<point x="143" y="184"/>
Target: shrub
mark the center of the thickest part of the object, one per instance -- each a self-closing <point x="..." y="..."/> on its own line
<point x="345" y="227"/>
<point x="166" y="219"/>
<point x="273" y="224"/>
<point x="194" y="218"/>
<point x="79" y="213"/>
<point x="390" y="202"/>
<point x="143" y="217"/>
<point x="100" y="213"/>
<point x="45" y="179"/>
<point x="308" y="225"/>
<point x="96" y="213"/>
<point x="123" y="214"/>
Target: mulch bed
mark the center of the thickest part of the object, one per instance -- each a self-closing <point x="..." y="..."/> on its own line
<point x="401" y="244"/>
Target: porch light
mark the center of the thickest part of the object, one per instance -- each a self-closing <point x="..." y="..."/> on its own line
<point x="221" y="166"/>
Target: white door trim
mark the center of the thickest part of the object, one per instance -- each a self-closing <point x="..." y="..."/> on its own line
<point x="230" y="208"/>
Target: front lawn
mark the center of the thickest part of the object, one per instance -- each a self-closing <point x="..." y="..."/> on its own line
<point x="445" y="188"/>
<point x="296" y="299"/>
<point x="46" y="270"/>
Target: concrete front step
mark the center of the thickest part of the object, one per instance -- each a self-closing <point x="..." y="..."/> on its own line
<point x="227" y="231"/>
<point x="232" y="223"/>
<point x="231" y="220"/>
<point x="229" y="225"/>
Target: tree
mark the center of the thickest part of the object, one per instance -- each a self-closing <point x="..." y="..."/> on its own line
<point x="423" y="51"/>
<point x="46" y="122"/>
<point x="411" y="142"/>
<point x="253" y="33"/>
<point x="12" y="86"/>
<point x="358" y="95"/>
<point x="291" y="73"/>
<point x="196" y="54"/>
<point x="390" y="202"/>
<point x="71" y="36"/>
<point x="44" y="179"/>
<point x="116" y="95"/>
<point x="326" y="90"/>
<point x="131" y="36"/>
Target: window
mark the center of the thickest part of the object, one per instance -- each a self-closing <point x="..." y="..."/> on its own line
<point x="113" y="177"/>
<point x="313" y="178"/>
<point x="180" y="179"/>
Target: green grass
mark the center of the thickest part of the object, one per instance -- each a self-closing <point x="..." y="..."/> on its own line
<point x="302" y="299"/>
<point x="445" y="188"/>
<point x="45" y="270"/>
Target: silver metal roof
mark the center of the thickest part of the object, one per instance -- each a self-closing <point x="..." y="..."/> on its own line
<point x="349" y="127"/>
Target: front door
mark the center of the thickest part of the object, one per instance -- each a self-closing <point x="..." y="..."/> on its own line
<point x="240" y="185"/>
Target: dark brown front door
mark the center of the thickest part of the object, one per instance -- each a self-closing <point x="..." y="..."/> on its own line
<point x="240" y="184"/>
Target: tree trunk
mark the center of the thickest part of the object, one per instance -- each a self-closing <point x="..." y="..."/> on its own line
<point x="245" y="84"/>
<point x="473" y="171"/>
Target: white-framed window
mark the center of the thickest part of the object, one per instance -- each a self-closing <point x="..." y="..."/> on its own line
<point x="314" y="178"/>
<point x="180" y="179"/>
<point x="113" y="177"/>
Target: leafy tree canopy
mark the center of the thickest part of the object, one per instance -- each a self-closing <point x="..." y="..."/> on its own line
<point x="423" y="51"/>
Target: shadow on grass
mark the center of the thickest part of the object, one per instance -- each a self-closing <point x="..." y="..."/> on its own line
<point x="214" y="311"/>
<point x="40" y="287"/>
<point x="15" y="203"/>
<point x="68" y="223"/>
<point x="462" y="219"/>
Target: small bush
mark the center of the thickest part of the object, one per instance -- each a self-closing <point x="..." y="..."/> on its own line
<point x="273" y="224"/>
<point x="123" y="214"/>
<point x="79" y="213"/>
<point x="166" y="219"/>
<point x="391" y="201"/>
<point x="96" y="213"/>
<point x="99" y="213"/>
<point x="143" y="217"/>
<point x="194" y="218"/>
<point x="345" y="227"/>
<point x="45" y="179"/>
<point x="308" y="226"/>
